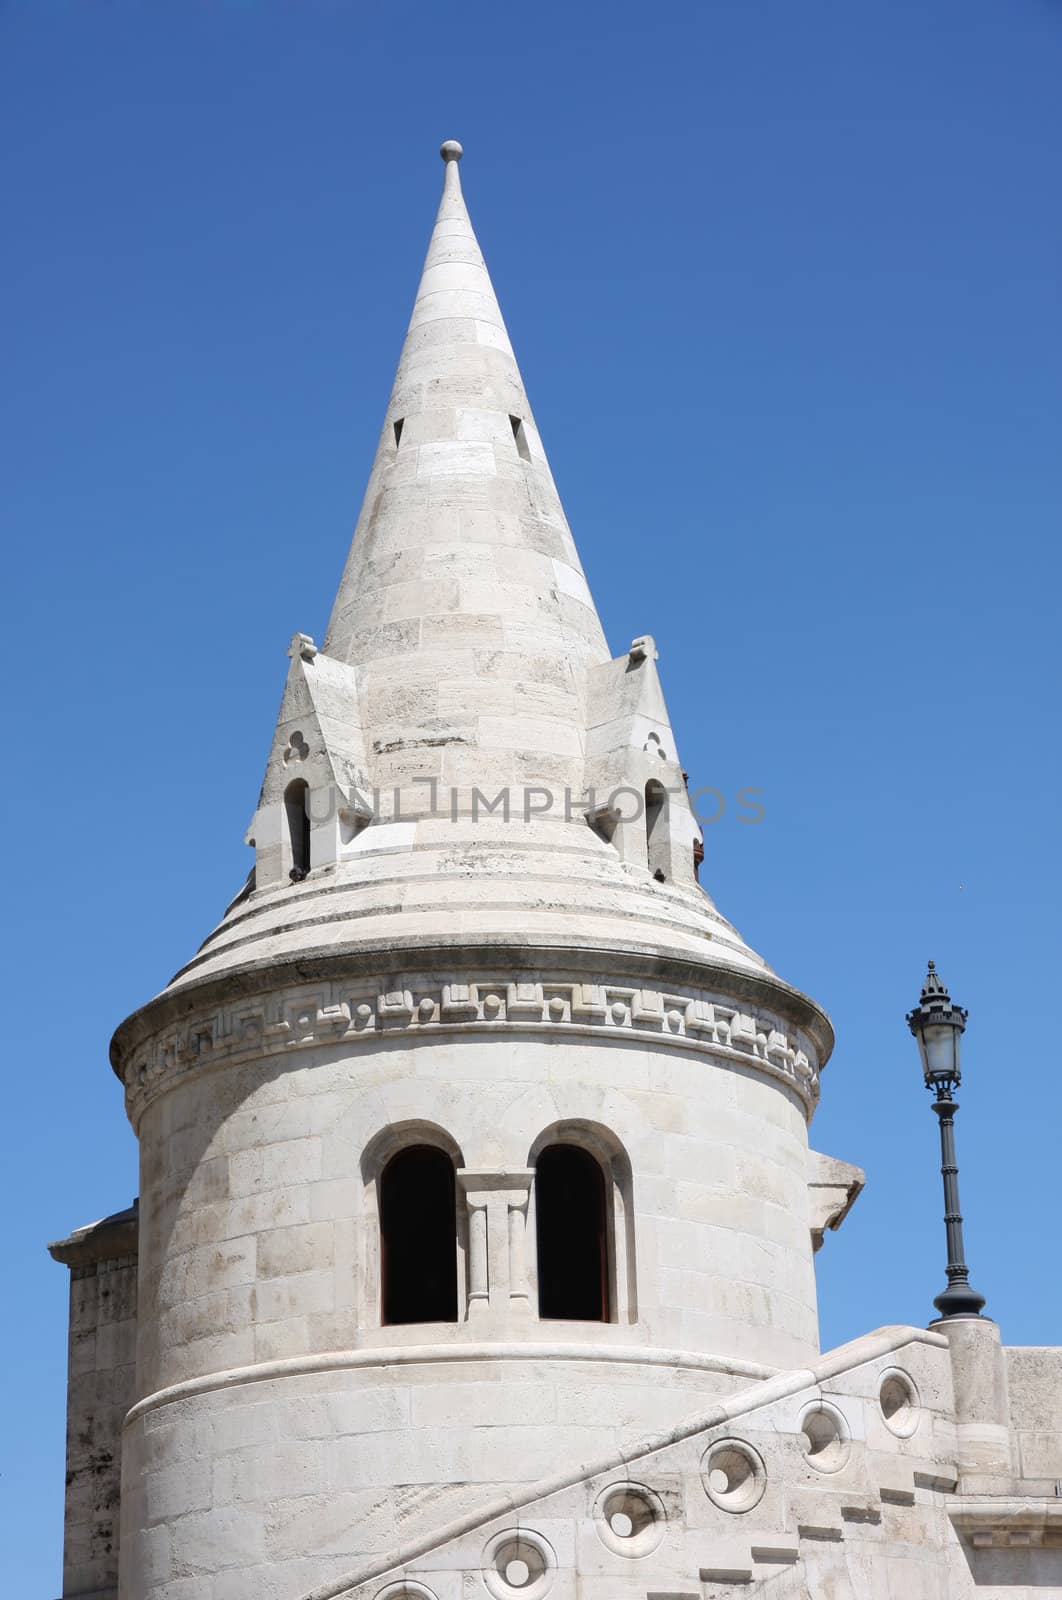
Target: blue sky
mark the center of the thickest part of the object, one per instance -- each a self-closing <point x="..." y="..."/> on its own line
<point x="783" y="282"/>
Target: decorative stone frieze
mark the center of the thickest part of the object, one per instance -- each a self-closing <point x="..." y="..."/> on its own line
<point x="334" y="1012"/>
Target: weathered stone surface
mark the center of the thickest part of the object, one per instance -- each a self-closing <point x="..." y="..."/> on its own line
<point x="475" y="926"/>
<point x="101" y="1387"/>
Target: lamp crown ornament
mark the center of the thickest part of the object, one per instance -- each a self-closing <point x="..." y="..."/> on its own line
<point x="934" y="984"/>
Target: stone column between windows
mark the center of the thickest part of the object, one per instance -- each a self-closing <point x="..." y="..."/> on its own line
<point x="497" y="1241"/>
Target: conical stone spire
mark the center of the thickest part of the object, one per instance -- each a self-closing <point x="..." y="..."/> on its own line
<point x="463" y="603"/>
<point x="461" y="774"/>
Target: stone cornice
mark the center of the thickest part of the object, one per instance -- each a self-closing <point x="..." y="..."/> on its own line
<point x="627" y="963"/>
<point x="233" y="1020"/>
<point x="1002" y="1521"/>
<point x="114" y="1238"/>
<point x="464" y="1353"/>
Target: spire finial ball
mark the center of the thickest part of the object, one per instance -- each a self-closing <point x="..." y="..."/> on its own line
<point x="451" y="150"/>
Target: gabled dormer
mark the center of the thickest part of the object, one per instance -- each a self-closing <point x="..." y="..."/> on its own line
<point x="635" y="785"/>
<point x="315" y="794"/>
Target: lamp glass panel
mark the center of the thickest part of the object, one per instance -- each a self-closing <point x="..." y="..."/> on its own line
<point x="939" y="1043"/>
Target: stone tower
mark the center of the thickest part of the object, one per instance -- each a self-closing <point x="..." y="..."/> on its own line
<point x="477" y="1214"/>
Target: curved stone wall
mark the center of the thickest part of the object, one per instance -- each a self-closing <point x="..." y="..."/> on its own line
<point x="258" y="1217"/>
<point x="264" y="1122"/>
<point x="285" y="1477"/>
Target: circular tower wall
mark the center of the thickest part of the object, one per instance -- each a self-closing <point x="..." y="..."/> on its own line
<point x="261" y="1314"/>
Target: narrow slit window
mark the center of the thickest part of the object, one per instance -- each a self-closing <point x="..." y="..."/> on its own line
<point x="418" y="1237"/>
<point x="657" y="830"/>
<point x="572" y="1234"/>
<point x="521" y="438"/>
<point x="399" y="425"/>
<point x="297" y="811"/>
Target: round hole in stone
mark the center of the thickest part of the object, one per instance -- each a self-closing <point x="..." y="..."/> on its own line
<point x="628" y="1513"/>
<point x="519" y="1563"/>
<point x="733" y="1475"/>
<point x="407" y="1590"/>
<point x="730" y="1472"/>
<point x="630" y="1519"/>
<point x="898" y="1400"/>
<point x="826" y="1443"/>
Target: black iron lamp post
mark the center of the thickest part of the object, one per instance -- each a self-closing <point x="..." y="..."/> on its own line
<point x="938" y="1025"/>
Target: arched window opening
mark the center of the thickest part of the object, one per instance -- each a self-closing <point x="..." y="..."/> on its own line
<point x="297" y="809"/>
<point x="657" y="840"/>
<point x="418" y="1237"/>
<point x="572" y="1235"/>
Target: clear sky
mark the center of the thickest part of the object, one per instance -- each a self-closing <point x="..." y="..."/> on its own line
<point x="783" y="279"/>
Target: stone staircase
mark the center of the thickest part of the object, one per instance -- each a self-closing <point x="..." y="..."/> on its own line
<point x="793" y="1488"/>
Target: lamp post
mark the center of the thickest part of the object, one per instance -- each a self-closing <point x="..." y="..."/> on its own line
<point x="938" y="1025"/>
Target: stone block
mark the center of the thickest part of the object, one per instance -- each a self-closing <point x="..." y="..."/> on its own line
<point x="482" y="1405"/>
<point x="239" y="1426"/>
<point x="1040" y="1455"/>
<point x="174" y="1490"/>
<point x="212" y="1541"/>
<point x="356" y="1524"/>
<point x="305" y="1247"/>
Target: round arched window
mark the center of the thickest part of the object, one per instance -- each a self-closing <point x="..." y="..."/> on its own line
<point x="570" y="1209"/>
<point x="418" y="1236"/>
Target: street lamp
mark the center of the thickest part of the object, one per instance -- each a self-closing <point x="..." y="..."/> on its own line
<point x="938" y="1025"/>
